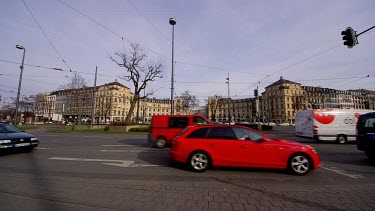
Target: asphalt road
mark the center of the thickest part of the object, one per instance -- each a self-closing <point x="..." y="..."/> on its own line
<point x="120" y="172"/>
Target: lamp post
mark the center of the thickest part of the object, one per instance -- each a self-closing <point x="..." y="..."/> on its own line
<point x="172" y="21"/>
<point x="20" y="81"/>
<point x="229" y="116"/>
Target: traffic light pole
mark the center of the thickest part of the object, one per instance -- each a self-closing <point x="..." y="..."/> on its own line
<point x="365" y="31"/>
<point x="258" y="110"/>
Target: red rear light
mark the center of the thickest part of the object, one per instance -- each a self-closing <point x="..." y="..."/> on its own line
<point x="315" y="130"/>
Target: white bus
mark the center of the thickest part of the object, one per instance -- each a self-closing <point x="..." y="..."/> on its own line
<point x="328" y="124"/>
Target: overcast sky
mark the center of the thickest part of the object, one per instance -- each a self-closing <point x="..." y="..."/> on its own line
<point x="256" y="42"/>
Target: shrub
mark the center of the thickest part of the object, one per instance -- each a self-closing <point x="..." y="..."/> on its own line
<point x="106" y="128"/>
<point x="123" y="123"/>
<point x="139" y="129"/>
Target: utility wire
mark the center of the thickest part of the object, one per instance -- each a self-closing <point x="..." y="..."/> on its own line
<point x="188" y="82"/>
<point x="308" y="58"/>
<point x="40" y="27"/>
<point x="149" y="21"/>
<point x="359" y="78"/>
<point x="294" y="64"/>
<point x="106" y="28"/>
<point x="55" y="68"/>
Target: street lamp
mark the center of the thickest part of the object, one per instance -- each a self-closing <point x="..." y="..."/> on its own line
<point x="20" y="81"/>
<point x="229" y="116"/>
<point x="172" y="21"/>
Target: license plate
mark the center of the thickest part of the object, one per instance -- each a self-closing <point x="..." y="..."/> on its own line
<point x="22" y="145"/>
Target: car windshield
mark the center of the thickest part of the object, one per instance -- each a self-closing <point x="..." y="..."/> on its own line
<point x="7" y="128"/>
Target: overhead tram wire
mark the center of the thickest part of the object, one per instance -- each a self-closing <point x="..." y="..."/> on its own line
<point x="106" y="28"/>
<point x="216" y="68"/>
<point x="359" y="78"/>
<point x="149" y="21"/>
<point x="187" y="82"/>
<point x="58" y="69"/>
<point x="40" y="27"/>
<point x="294" y="64"/>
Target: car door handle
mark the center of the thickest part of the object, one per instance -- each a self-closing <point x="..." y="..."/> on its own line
<point x="244" y="146"/>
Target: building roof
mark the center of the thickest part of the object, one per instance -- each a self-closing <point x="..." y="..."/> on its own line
<point x="282" y="81"/>
<point x="115" y="83"/>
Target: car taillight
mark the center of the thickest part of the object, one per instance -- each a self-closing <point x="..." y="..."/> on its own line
<point x="315" y="130"/>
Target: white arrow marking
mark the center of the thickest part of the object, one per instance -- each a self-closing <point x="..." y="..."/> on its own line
<point x="121" y="163"/>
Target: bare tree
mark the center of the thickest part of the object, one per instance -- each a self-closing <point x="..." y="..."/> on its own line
<point x="76" y="81"/>
<point x="139" y="70"/>
<point x="213" y="104"/>
<point x="77" y="98"/>
<point x="103" y="105"/>
<point x="189" y="102"/>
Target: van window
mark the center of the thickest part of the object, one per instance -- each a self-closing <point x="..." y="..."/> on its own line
<point x="178" y="122"/>
<point x="199" y="121"/>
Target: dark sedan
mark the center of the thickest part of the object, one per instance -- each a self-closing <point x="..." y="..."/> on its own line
<point x="13" y="138"/>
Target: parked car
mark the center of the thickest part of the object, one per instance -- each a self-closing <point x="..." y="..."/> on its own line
<point x="236" y="146"/>
<point x="283" y="124"/>
<point x="366" y="134"/>
<point x="12" y="138"/>
<point x="271" y="124"/>
<point x="164" y="128"/>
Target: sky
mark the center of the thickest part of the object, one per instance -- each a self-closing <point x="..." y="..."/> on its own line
<point x="255" y="42"/>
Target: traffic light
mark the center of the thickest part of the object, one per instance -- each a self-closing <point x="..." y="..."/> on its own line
<point x="255" y="92"/>
<point x="349" y="37"/>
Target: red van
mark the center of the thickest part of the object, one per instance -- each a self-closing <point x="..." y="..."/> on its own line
<point x="164" y="128"/>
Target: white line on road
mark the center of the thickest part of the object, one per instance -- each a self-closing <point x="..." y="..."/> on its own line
<point x="126" y="150"/>
<point x="118" y="145"/>
<point x="42" y="148"/>
<point x="342" y="172"/>
<point x="119" y="163"/>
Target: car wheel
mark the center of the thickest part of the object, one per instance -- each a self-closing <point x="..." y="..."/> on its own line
<point x="161" y="142"/>
<point x="299" y="164"/>
<point x="341" y="139"/>
<point x="199" y="161"/>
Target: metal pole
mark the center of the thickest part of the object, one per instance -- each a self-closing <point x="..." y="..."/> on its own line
<point x="19" y="87"/>
<point x="172" y="79"/>
<point x="258" y="110"/>
<point x="93" y="98"/>
<point x="229" y="116"/>
<point x="365" y="31"/>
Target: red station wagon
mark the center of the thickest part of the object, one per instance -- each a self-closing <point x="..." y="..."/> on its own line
<point x="236" y="146"/>
<point x="164" y="128"/>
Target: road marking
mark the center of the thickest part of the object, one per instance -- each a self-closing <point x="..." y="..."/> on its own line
<point x="143" y="165"/>
<point x="127" y="150"/>
<point x="342" y="172"/>
<point x="119" y="163"/>
<point x="118" y="145"/>
<point x="42" y="148"/>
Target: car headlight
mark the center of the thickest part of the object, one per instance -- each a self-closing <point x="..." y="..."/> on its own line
<point x="5" y="141"/>
<point x="34" y="139"/>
